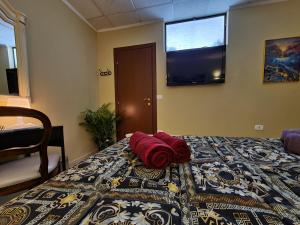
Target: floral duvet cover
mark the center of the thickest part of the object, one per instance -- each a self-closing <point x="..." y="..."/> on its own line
<point x="239" y="181"/>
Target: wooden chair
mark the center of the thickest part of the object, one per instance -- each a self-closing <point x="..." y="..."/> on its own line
<point x="29" y="171"/>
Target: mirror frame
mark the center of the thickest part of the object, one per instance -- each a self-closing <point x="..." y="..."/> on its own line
<point x="10" y="15"/>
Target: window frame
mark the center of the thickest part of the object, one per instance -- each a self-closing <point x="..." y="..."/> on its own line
<point x="194" y="19"/>
<point x="15" y="57"/>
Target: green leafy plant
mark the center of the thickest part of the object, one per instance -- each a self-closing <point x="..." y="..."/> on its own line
<point x="101" y="124"/>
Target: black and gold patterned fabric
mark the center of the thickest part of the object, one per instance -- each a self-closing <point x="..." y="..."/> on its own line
<point x="240" y="181"/>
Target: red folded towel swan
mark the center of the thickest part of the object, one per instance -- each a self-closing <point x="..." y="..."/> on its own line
<point x="182" y="152"/>
<point x="152" y="151"/>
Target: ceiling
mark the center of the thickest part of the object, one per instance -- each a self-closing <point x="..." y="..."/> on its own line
<point x="111" y="14"/>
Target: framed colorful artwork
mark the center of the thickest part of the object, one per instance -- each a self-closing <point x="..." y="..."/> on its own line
<point x="282" y="60"/>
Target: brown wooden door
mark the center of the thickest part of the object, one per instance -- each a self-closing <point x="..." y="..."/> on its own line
<point x="135" y="85"/>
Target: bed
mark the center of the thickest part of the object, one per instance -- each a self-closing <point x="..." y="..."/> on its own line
<point x="228" y="181"/>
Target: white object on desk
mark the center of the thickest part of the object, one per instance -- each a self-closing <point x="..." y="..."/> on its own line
<point x="22" y="126"/>
<point x="18" y="102"/>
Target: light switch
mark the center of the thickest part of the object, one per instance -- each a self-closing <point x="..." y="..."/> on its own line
<point x="159" y="97"/>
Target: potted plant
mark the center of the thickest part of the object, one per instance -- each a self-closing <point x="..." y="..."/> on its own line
<point x="101" y="124"/>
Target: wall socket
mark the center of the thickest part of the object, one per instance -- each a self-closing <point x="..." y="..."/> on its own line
<point x="259" y="127"/>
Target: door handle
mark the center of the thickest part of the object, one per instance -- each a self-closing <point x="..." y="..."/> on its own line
<point x="147" y="99"/>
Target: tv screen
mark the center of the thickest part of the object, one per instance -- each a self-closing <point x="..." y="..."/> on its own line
<point x="196" y="66"/>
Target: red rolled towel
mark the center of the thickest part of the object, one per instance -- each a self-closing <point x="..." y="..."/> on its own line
<point x="182" y="151"/>
<point x="135" y="139"/>
<point x="152" y="151"/>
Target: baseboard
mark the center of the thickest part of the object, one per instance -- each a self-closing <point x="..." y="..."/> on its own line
<point x="84" y="157"/>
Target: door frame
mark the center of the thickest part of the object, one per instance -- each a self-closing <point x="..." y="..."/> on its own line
<point x="154" y="100"/>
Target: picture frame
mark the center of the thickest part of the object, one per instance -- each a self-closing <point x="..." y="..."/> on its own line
<point x="282" y="60"/>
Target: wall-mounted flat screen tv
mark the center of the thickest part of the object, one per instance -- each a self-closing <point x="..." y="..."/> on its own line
<point x="196" y="51"/>
<point x="196" y="66"/>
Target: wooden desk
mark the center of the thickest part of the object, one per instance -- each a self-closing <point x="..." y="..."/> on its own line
<point x="30" y="136"/>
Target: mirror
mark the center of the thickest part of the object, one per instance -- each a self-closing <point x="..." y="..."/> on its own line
<point x="8" y="60"/>
<point x="14" y="78"/>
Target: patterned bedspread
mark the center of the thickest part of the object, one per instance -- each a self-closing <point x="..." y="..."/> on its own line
<point x="239" y="181"/>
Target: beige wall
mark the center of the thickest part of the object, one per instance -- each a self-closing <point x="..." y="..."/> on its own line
<point x="62" y="68"/>
<point x="233" y="108"/>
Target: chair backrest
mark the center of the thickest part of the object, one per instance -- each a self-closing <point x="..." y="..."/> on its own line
<point x="40" y="147"/>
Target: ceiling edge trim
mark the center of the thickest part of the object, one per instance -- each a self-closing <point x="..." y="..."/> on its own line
<point x="253" y="4"/>
<point x="129" y="26"/>
<point x="72" y="8"/>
